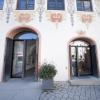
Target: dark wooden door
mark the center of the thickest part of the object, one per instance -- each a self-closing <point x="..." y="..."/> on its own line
<point x="8" y="58"/>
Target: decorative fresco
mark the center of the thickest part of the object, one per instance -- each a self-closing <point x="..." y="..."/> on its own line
<point x="56" y="17"/>
<point x="86" y="19"/>
<point x="9" y="9"/>
<point x="23" y="17"/>
<point x="71" y="10"/>
<point x="40" y="9"/>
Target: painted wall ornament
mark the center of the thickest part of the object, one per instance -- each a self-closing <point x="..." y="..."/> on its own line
<point x="40" y="8"/>
<point x="81" y="32"/>
<point x="56" y="17"/>
<point x="24" y="17"/>
<point x="86" y="19"/>
<point x="9" y="9"/>
<point x="71" y="10"/>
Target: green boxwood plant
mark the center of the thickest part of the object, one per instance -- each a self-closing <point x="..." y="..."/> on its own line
<point x="47" y="71"/>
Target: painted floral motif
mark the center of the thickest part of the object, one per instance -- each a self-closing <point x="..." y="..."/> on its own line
<point x="9" y="9"/>
<point x="23" y="17"/>
<point x="40" y="9"/>
<point x="56" y="17"/>
<point x="86" y="19"/>
<point x="71" y="10"/>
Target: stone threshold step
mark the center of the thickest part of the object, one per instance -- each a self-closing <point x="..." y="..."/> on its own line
<point x="85" y="82"/>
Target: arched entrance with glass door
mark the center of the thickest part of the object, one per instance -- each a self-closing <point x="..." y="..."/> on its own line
<point x="83" y="60"/>
<point x="21" y="59"/>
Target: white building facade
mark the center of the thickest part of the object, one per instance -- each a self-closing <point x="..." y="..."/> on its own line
<point x="62" y="32"/>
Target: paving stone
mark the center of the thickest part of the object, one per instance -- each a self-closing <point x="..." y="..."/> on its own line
<point x="76" y="98"/>
<point x="65" y="95"/>
<point x="30" y="91"/>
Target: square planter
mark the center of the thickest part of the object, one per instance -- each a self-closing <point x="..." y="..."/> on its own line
<point x="47" y="84"/>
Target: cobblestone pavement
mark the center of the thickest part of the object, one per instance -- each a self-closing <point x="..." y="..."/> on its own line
<point x="19" y="90"/>
<point x="66" y="92"/>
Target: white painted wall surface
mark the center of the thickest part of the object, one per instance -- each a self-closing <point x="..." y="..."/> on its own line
<point x="54" y="40"/>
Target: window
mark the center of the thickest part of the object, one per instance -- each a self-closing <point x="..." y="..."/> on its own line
<point x="25" y="4"/>
<point x="1" y="4"/>
<point x="55" y="5"/>
<point x="26" y="35"/>
<point x="84" y="5"/>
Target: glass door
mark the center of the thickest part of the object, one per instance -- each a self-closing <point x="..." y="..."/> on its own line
<point x="30" y="58"/>
<point x="74" y="61"/>
<point x="18" y="57"/>
<point x="83" y="60"/>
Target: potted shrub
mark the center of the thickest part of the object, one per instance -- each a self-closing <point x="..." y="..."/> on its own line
<point x="47" y="72"/>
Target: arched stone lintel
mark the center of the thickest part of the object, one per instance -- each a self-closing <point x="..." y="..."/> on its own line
<point x="16" y="30"/>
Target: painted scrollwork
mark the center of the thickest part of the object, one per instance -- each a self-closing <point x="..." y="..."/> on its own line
<point x="9" y="9"/>
<point x="40" y="8"/>
<point x="55" y="17"/>
<point x="23" y="17"/>
<point x="86" y="18"/>
<point x="71" y="10"/>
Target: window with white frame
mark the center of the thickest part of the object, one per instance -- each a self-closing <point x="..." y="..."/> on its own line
<point x="25" y="4"/>
<point x="1" y="4"/>
<point x="55" y="5"/>
<point x="84" y="5"/>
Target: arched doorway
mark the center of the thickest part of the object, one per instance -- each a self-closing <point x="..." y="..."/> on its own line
<point x="83" y="60"/>
<point x="21" y="59"/>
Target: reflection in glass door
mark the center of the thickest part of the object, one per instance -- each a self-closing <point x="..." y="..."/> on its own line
<point x="30" y="58"/>
<point x="83" y="61"/>
<point x="17" y="69"/>
<point x="74" y="61"/>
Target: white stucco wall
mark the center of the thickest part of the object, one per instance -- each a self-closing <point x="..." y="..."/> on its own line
<point x="55" y="37"/>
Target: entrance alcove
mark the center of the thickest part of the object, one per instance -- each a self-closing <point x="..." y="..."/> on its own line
<point x="21" y="54"/>
<point x="83" y="58"/>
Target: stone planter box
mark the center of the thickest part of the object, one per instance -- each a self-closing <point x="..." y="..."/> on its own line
<point x="47" y="84"/>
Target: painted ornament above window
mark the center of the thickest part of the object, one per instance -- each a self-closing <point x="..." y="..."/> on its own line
<point x="24" y="17"/>
<point x="56" y="17"/>
<point x="86" y="19"/>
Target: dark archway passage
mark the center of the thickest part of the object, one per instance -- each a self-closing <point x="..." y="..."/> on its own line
<point x="21" y="59"/>
<point x="83" y="59"/>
